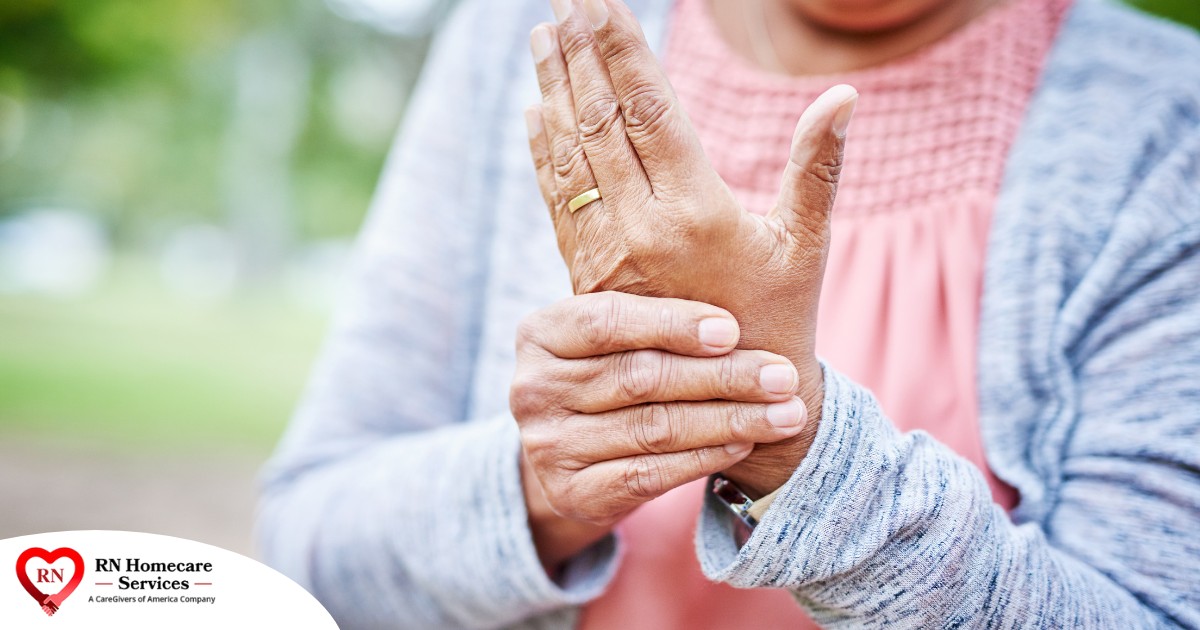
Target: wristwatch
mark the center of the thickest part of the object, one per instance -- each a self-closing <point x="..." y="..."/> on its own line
<point x="746" y="511"/>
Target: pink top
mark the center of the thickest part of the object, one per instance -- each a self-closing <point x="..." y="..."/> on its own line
<point x="899" y="308"/>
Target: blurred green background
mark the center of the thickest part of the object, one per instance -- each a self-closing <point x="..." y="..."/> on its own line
<point x="179" y="185"/>
<point x="1182" y="11"/>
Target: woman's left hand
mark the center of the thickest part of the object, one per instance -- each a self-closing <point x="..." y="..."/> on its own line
<point x="667" y="225"/>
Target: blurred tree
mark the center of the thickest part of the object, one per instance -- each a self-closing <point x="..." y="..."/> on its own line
<point x="129" y="109"/>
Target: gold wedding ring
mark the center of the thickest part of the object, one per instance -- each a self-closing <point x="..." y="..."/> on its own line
<point x="583" y="200"/>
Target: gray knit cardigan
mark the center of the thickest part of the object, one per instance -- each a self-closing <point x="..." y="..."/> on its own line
<point x="395" y="496"/>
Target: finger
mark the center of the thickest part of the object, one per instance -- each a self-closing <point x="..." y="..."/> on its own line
<point x="614" y="163"/>
<point x="572" y="173"/>
<point x="679" y="426"/>
<point x="655" y="123"/>
<point x="603" y="492"/>
<point x="539" y="150"/>
<point x="599" y="324"/>
<point x="814" y="167"/>
<point x="619" y="380"/>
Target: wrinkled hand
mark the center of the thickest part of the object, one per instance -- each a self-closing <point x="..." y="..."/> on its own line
<point x="667" y="224"/>
<point x="620" y="398"/>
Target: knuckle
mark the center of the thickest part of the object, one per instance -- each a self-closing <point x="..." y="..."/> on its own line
<point x="742" y="425"/>
<point x="597" y="117"/>
<point x="653" y="428"/>
<point x="702" y="460"/>
<point x="625" y="51"/>
<point x="668" y="324"/>
<point x="601" y="320"/>
<point x="827" y="169"/>
<point x="539" y="444"/>
<point x="569" y="159"/>
<point x="541" y="157"/>
<point x="574" y="39"/>
<point x="647" y="109"/>
<point x="640" y="374"/>
<point x="560" y="495"/>
<point x="728" y="371"/>
<point x="554" y="84"/>
<point x="526" y="395"/>
<point x="644" y="477"/>
<point x="558" y="201"/>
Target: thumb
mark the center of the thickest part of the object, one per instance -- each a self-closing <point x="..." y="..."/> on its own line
<point x="815" y="164"/>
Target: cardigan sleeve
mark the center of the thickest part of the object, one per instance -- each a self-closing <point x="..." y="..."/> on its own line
<point x="882" y="528"/>
<point x="388" y="499"/>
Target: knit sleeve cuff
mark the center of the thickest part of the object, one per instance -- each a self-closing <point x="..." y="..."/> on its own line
<point x="807" y="519"/>
<point x="492" y="551"/>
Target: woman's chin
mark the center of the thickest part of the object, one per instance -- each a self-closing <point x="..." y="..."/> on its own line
<point x="863" y="16"/>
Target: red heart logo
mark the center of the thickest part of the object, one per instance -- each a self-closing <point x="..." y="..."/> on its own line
<point x="50" y="603"/>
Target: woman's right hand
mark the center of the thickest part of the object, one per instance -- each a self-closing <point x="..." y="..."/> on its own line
<point x="620" y="398"/>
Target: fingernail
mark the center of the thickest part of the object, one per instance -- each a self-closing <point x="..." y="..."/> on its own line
<point x="786" y="414"/>
<point x="533" y="122"/>
<point x="597" y="12"/>
<point x="845" y="111"/>
<point x="562" y="8"/>
<point x="738" y="449"/>
<point x="778" y="379"/>
<point x="542" y="42"/>
<point x="718" y="332"/>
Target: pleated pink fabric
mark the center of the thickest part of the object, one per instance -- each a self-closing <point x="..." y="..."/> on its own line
<point x="900" y="305"/>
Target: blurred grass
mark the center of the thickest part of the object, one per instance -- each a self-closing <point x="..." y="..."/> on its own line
<point x="127" y="367"/>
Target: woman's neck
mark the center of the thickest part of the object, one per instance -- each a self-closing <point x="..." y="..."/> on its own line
<point x="797" y="45"/>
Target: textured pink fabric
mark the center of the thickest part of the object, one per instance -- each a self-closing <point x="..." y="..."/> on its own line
<point x="900" y="303"/>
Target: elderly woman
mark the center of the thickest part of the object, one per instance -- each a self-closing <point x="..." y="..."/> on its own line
<point x="1001" y="430"/>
